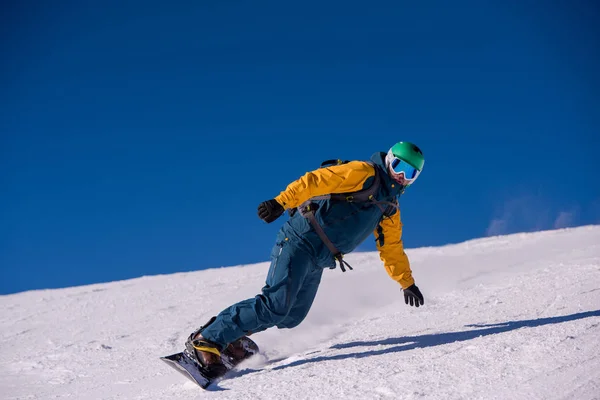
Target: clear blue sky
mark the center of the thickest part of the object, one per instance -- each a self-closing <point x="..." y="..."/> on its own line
<point x="139" y="137"/>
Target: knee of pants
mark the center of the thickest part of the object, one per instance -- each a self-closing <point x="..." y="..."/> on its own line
<point x="294" y="318"/>
<point x="277" y="307"/>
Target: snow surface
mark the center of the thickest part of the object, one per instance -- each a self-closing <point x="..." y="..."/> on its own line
<point x="509" y="317"/>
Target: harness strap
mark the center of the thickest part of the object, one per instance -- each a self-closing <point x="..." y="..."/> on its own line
<point x="307" y="212"/>
<point x="340" y="259"/>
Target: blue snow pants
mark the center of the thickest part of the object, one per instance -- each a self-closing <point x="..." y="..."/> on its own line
<point x="286" y="298"/>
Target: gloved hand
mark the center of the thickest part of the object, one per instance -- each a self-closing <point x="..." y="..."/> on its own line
<point x="413" y="295"/>
<point x="270" y="210"/>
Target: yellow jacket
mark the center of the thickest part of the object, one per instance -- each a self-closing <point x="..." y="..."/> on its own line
<point x="346" y="178"/>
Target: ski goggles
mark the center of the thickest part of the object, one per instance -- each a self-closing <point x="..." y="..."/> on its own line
<point x="402" y="167"/>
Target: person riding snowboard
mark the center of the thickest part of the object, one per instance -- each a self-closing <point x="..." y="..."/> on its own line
<point x="332" y="210"/>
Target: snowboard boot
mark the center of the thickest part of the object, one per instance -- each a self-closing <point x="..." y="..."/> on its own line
<point x="238" y="351"/>
<point x="206" y="353"/>
<point x="241" y="349"/>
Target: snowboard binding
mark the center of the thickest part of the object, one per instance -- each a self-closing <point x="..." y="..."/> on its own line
<point x="203" y="362"/>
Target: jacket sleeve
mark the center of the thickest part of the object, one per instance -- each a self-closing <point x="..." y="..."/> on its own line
<point x="388" y="236"/>
<point x="344" y="178"/>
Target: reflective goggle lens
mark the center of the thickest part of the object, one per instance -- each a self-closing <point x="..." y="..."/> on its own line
<point x="409" y="171"/>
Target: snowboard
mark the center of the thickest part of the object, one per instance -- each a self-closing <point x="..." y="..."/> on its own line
<point x="234" y="354"/>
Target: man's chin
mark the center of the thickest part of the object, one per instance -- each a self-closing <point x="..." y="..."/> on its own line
<point x="399" y="181"/>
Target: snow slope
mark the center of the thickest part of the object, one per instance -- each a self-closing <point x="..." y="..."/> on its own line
<point x="510" y="317"/>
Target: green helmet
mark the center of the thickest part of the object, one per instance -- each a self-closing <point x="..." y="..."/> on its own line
<point x="407" y="159"/>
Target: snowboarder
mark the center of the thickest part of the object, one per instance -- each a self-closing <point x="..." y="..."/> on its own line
<point x="332" y="210"/>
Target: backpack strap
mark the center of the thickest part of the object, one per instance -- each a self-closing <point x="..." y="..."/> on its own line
<point x="307" y="210"/>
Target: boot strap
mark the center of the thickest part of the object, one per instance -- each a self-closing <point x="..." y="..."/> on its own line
<point x="202" y="345"/>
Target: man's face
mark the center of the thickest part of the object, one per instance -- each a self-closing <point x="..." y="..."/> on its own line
<point x="398" y="177"/>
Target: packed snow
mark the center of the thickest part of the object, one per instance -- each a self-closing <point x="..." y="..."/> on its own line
<point x="507" y="317"/>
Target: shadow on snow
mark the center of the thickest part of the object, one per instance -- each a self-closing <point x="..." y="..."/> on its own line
<point x="412" y="342"/>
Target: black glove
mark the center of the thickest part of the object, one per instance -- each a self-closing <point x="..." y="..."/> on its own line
<point x="413" y="295"/>
<point x="269" y="210"/>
